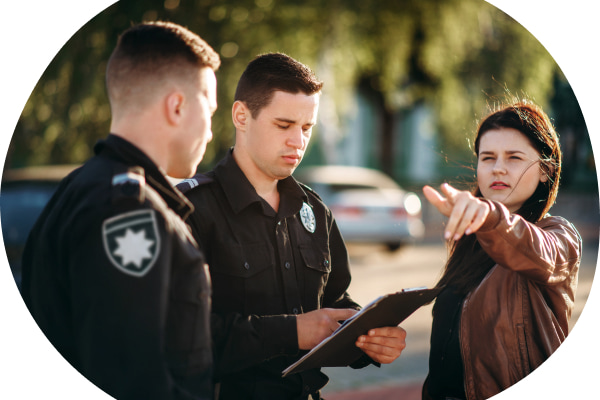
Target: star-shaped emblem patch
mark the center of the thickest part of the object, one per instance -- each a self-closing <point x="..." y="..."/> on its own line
<point x="133" y="248"/>
<point x="131" y="241"/>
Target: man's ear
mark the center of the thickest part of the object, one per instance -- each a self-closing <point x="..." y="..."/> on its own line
<point x="174" y="107"/>
<point x="240" y="115"/>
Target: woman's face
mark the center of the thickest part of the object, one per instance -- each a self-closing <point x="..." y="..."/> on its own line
<point x="508" y="167"/>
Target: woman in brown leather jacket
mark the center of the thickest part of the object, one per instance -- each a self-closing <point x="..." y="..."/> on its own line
<point x="510" y="281"/>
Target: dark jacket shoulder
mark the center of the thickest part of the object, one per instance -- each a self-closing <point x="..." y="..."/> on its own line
<point x="187" y="185"/>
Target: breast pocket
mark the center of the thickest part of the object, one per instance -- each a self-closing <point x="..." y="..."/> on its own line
<point x="243" y="278"/>
<point x="317" y="267"/>
<point x="316" y="259"/>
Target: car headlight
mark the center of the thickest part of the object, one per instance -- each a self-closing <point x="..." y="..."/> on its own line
<point x="412" y="204"/>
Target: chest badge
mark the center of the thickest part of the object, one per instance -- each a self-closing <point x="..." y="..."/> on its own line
<point x="307" y="216"/>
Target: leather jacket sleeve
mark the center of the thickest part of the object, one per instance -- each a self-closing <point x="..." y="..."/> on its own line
<point x="523" y="305"/>
<point x="544" y="252"/>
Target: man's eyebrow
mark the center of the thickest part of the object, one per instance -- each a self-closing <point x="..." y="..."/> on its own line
<point x="289" y="121"/>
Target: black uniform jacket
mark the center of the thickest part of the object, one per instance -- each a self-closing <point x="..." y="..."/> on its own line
<point x="266" y="267"/>
<point x="114" y="279"/>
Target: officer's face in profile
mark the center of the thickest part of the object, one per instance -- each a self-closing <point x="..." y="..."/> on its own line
<point x="196" y="126"/>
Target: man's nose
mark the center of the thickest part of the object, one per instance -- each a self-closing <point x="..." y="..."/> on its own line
<point x="296" y="138"/>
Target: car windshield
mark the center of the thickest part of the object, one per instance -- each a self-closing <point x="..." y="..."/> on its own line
<point x="25" y="202"/>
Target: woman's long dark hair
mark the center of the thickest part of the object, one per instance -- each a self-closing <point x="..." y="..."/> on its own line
<point x="468" y="263"/>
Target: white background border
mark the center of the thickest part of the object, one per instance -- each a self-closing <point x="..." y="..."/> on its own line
<point x="33" y="32"/>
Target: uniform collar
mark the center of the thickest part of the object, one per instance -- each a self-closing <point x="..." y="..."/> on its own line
<point x="240" y="193"/>
<point x="118" y="148"/>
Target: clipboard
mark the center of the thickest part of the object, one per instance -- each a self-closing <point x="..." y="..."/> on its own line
<point x="339" y="349"/>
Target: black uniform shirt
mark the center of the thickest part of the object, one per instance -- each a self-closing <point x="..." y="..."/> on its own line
<point x="115" y="280"/>
<point x="265" y="267"/>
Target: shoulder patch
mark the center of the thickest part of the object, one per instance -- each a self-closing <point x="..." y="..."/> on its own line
<point x="132" y="241"/>
<point x="188" y="184"/>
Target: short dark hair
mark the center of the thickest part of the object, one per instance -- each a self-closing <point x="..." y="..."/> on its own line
<point x="468" y="263"/>
<point x="151" y="51"/>
<point x="272" y="72"/>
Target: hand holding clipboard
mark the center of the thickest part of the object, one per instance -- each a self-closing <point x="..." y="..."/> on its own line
<point x="339" y="349"/>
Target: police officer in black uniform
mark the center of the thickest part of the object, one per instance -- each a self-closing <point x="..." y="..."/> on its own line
<point x="278" y="263"/>
<point x="111" y="273"/>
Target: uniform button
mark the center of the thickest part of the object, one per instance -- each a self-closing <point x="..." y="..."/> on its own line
<point x="246" y="265"/>
<point x="295" y="311"/>
<point x="325" y="263"/>
<point x="287" y="265"/>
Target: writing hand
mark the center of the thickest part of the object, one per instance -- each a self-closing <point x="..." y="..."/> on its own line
<point x="314" y="326"/>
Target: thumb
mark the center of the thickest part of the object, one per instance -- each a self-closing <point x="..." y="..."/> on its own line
<point x="341" y="314"/>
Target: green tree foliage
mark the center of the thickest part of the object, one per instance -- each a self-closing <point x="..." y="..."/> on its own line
<point x="456" y="55"/>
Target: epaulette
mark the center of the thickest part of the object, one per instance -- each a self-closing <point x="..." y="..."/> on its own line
<point x="306" y="187"/>
<point x="129" y="185"/>
<point x="188" y="184"/>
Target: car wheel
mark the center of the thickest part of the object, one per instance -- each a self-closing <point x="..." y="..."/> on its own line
<point x="393" y="246"/>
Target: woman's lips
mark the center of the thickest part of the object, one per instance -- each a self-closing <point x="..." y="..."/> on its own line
<point x="499" y="185"/>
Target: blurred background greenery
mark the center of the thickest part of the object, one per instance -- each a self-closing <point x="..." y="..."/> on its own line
<point x="405" y="81"/>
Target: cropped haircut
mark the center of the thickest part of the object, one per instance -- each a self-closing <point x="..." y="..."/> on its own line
<point x="273" y="72"/>
<point x="148" y="53"/>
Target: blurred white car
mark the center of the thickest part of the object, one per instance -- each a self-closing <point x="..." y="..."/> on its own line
<point x="368" y="205"/>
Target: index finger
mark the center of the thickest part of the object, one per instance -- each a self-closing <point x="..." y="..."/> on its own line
<point x="450" y="192"/>
<point x="437" y="200"/>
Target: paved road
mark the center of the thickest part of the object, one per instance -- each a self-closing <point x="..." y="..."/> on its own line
<point x="377" y="272"/>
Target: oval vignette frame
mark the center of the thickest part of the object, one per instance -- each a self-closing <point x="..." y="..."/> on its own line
<point x="32" y="368"/>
